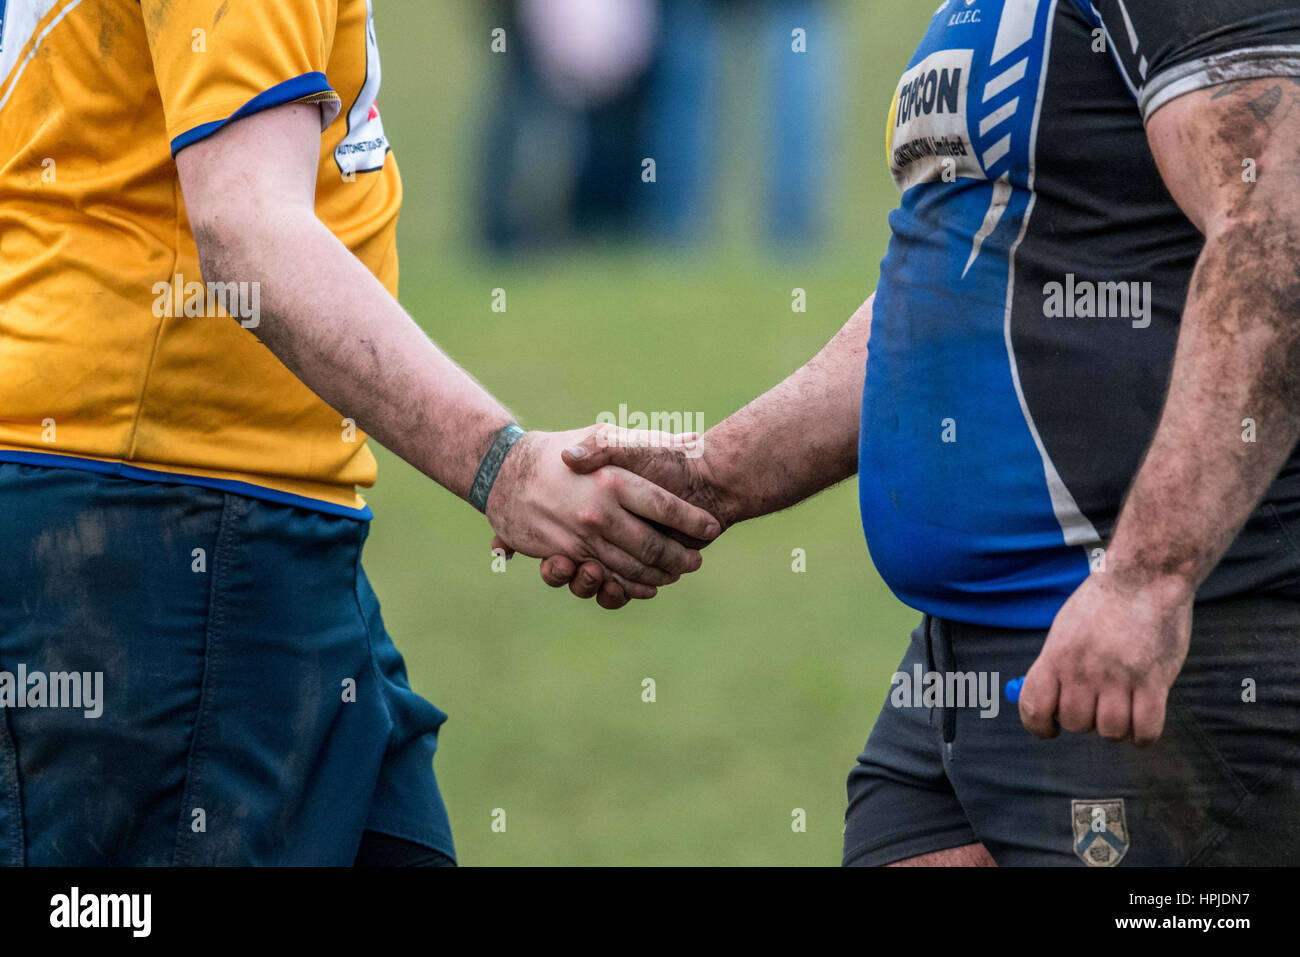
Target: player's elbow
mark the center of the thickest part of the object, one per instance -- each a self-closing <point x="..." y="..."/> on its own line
<point x="1234" y="261"/>
<point x="238" y="244"/>
<point x="219" y="259"/>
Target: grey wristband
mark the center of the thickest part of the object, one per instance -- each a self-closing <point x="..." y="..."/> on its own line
<point x="491" y="465"/>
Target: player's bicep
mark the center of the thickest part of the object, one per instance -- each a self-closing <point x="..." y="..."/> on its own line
<point x="1231" y="152"/>
<point x="245" y="97"/>
<point x="244" y="176"/>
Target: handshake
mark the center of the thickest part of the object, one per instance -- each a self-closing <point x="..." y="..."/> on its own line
<point x="613" y="513"/>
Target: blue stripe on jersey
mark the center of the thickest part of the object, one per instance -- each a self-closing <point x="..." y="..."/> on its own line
<point x="122" y="470"/>
<point x="286" y="92"/>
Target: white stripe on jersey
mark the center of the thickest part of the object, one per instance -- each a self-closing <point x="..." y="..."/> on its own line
<point x="20" y="20"/>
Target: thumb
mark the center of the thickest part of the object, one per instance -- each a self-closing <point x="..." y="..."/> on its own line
<point x="588" y="455"/>
<point x="1039" y="698"/>
<point x="637" y="451"/>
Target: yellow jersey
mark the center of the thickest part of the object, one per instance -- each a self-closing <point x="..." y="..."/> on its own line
<point x="114" y="354"/>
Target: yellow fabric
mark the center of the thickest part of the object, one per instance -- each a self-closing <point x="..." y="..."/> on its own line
<point x="92" y="222"/>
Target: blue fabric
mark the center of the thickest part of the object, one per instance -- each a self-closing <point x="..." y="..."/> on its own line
<point x="960" y="525"/>
<point x="287" y="92"/>
<point x="803" y="109"/>
<point x="226" y="630"/>
<point x="176" y="478"/>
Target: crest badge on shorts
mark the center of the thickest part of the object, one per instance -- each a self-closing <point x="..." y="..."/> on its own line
<point x="1101" y="835"/>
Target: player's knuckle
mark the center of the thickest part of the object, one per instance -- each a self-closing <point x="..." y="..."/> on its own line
<point x="1032" y="712"/>
<point x="590" y="517"/>
<point x="654" y="577"/>
<point x="606" y="436"/>
<point x="653" y="549"/>
<point x="631" y="568"/>
<point x="668" y="508"/>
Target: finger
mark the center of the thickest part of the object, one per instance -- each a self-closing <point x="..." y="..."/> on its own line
<point x="615" y="559"/>
<point x="659" y="505"/>
<point x="634" y="450"/>
<point x="590" y="454"/>
<point x="499" y="543"/>
<point x="558" y="570"/>
<point x="1038" y="697"/>
<point x="1077" y="708"/>
<point x="586" y="456"/>
<point x="649" y="548"/>
<point x="1148" y="714"/>
<point x="588" y="580"/>
<point x="613" y="597"/>
<point x="1115" y="713"/>
<point x="630" y="589"/>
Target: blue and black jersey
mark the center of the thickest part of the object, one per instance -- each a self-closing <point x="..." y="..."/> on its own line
<point x="1029" y="304"/>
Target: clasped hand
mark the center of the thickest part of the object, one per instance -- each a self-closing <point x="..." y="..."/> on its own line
<point x="603" y="529"/>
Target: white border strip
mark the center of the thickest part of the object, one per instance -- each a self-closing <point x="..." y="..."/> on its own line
<point x="36" y="45"/>
<point x="1248" y="63"/>
<point x="1074" y="525"/>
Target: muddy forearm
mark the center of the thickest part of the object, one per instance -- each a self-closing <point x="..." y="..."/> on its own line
<point x="1232" y="415"/>
<point x="799" y="437"/>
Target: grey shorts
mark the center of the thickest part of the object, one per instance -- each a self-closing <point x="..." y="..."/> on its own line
<point x="1221" y="786"/>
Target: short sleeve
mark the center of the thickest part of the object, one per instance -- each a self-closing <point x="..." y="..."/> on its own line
<point x="216" y="61"/>
<point x="1166" y="48"/>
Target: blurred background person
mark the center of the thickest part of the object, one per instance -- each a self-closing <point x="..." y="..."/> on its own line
<point x="566" y="131"/>
<point x="602" y="87"/>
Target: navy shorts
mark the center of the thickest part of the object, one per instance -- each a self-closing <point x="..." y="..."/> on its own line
<point x="218" y="684"/>
<point x="1221" y="786"/>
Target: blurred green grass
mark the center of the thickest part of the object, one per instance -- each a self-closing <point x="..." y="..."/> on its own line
<point x="767" y="681"/>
